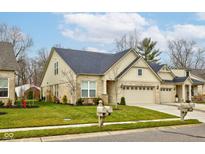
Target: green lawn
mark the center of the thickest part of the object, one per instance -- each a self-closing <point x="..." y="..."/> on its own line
<point x="54" y="114"/>
<point x="64" y="131"/>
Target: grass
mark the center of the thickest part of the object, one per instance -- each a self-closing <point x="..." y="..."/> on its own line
<point x="200" y="102"/>
<point x="54" y="114"/>
<point x="64" y="131"/>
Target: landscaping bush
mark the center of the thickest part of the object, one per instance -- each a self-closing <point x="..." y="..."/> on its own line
<point x="65" y="100"/>
<point x="1" y="103"/>
<point x="79" y="102"/>
<point x="96" y="100"/>
<point x="30" y="95"/>
<point x="122" y="101"/>
<point x="9" y="103"/>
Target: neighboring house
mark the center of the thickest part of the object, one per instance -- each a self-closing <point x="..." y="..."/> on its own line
<point x="24" y="90"/>
<point x="8" y="66"/>
<point x="111" y="76"/>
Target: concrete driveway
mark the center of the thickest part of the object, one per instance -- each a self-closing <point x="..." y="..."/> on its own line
<point x="166" y="108"/>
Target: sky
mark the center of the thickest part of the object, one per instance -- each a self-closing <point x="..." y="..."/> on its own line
<point x="97" y="31"/>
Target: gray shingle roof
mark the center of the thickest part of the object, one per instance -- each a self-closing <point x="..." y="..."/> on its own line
<point x="7" y="57"/>
<point x="86" y="62"/>
<point x="197" y="82"/>
<point x="176" y="80"/>
<point x="198" y="72"/>
<point x="156" y="67"/>
<point x="182" y="79"/>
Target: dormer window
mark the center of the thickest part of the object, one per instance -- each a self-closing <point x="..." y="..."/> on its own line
<point x="55" y="68"/>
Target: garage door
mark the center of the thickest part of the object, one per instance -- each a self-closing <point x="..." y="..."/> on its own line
<point x="166" y="95"/>
<point x="136" y="95"/>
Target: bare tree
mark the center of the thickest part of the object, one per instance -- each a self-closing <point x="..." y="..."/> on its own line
<point x="20" y="41"/>
<point x="127" y="41"/>
<point x="117" y="86"/>
<point x="71" y="83"/>
<point x="199" y="59"/>
<point x="185" y="54"/>
<point x="24" y="73"/>
<point x="36" y="66"/>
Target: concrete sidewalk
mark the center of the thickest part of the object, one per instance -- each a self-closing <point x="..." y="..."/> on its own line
<point x="198" y="107"/>
<point x="81" y="125"/>
<point x="172" y="109"/>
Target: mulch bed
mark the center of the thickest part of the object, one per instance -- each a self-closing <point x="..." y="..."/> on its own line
<point x="2" y="113"/>
<point x="19" y="107"/>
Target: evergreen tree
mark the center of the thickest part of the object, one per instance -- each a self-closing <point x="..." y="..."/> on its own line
<point x="148" y="51"/>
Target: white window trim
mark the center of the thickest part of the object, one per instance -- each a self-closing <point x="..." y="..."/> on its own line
<point x="8" y="88"/>
<point x="88" y="88"/>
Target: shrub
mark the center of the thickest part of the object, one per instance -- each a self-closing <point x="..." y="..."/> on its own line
<point x="122" y="101"/>
<point x="79" y="102"/>
<point x="9" y="103"/>
<point x="1" y="103"/>
<point x="96" y="100"/>
<point x="65" y="100"/>
<point x="30" y="95"/>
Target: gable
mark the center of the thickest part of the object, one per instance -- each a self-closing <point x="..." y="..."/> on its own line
<point x="49" y="78"/>
<point x="148" y="74"/>
<point x="165" y="73"/>
<point x="118" y="67"/>
<point x="188" y="81"/>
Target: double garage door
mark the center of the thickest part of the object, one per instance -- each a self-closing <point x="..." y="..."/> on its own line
<point x="137" y="95"/>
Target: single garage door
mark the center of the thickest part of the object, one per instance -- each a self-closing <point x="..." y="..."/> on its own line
<point x="166" y="95"/>
<point x="137" y="95"/>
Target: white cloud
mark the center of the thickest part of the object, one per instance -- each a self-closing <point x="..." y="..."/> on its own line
<point x="186" y="31"/>
<point x="104" y="28"/>
<point x="156" y="35"/>
<point x="101" y="28"/>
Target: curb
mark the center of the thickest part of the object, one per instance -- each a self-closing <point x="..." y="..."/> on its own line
<point x="96" y="134"/>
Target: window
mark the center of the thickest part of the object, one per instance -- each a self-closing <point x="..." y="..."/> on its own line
<point x="56" y="90"/>
<point x="139" y="72"/>
<point x="88" y="89"/>
<point x="55" y="68"/>
<point x="3" y="87"/>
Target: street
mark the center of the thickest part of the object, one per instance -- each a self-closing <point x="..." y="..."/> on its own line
<point x="194" y="133"/>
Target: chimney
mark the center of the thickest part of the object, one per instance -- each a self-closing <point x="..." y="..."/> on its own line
<point x="187" y="73"/>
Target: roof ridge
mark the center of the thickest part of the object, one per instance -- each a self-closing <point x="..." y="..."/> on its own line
<point x="89" y="51"/>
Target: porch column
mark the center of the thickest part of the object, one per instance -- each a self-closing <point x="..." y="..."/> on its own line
<point x="105" y="87"/>
<point x="190" y="92"/>
<point x="183" y="93"/>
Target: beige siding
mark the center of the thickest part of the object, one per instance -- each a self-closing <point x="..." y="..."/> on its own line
<point x="166" y="75"/>
<point x="11" y="76"/>
<point x="120" y="65"/>
<point x="131" y="78"/>
<point x="50" y="80"/>
<point x="179" y="72"/>
<point x="147" y="74"/>
<point x="99" y="84"/>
